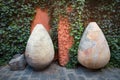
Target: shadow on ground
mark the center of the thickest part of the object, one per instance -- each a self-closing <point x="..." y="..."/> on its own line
<point x="56" y="72"/>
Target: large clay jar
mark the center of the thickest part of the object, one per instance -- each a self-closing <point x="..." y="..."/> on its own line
<point x="93" y="50"/>
<point x="39" y="50"/>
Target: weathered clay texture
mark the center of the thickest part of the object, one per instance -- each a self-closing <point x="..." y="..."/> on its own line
<point x="41" y="17"/>
<point x="93" y="50"/>
<point x="39" y="50"/>
<point x="65" y="41"/>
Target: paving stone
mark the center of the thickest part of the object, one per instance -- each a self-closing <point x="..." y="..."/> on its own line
<point x="15" y="78"/>
<point x="71" y="76"/>
<point x="106" y="74"/>
<point x="24" y="78"/>
<point x="1" y="67"/>
<point x="53" y="76"/>
<point x="35" y="74"/>
<point x="92" y="79"/>
<point x="69" y="70"/>
<point x="28" y="71"/>
<point x="55" y="72"/>
<point x="34" y="79"/>
<point x="28" y="76"/>
<point x="44" y="77"/>
<point x="101" y="78"/>
<point x="17" y="74"/>
<point x="91" y="73"/>
<point x="5" y="77"/>
<point x="4" y="71"/>
<point x="6" y="67"/>
<point x="116" y="76"/>
<point x="112" y="79"/>
<point x="20" y="72"/>
<point x="81" y="78"/>
<point x="78" y="71"/>
<point x="10" y="73"/>
<point x="62" y="72"/>
<point x="113" y="70"/>
<point x="1" y="75"/>
<point x="63" y="78"/>
<point x="54" y="79"/>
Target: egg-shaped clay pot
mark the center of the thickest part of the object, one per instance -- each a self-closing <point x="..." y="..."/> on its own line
<point x="93" y="49"/>
<point x="39" y="50"/>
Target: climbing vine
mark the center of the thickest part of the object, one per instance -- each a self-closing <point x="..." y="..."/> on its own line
<point x="76" y="30"/>
<point x="60" y="8"/>
<point x="16" y="17"/>
<point x="74" y="16"/>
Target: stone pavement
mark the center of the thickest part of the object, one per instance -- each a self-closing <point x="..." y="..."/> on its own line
<point x="55" y="72"/>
